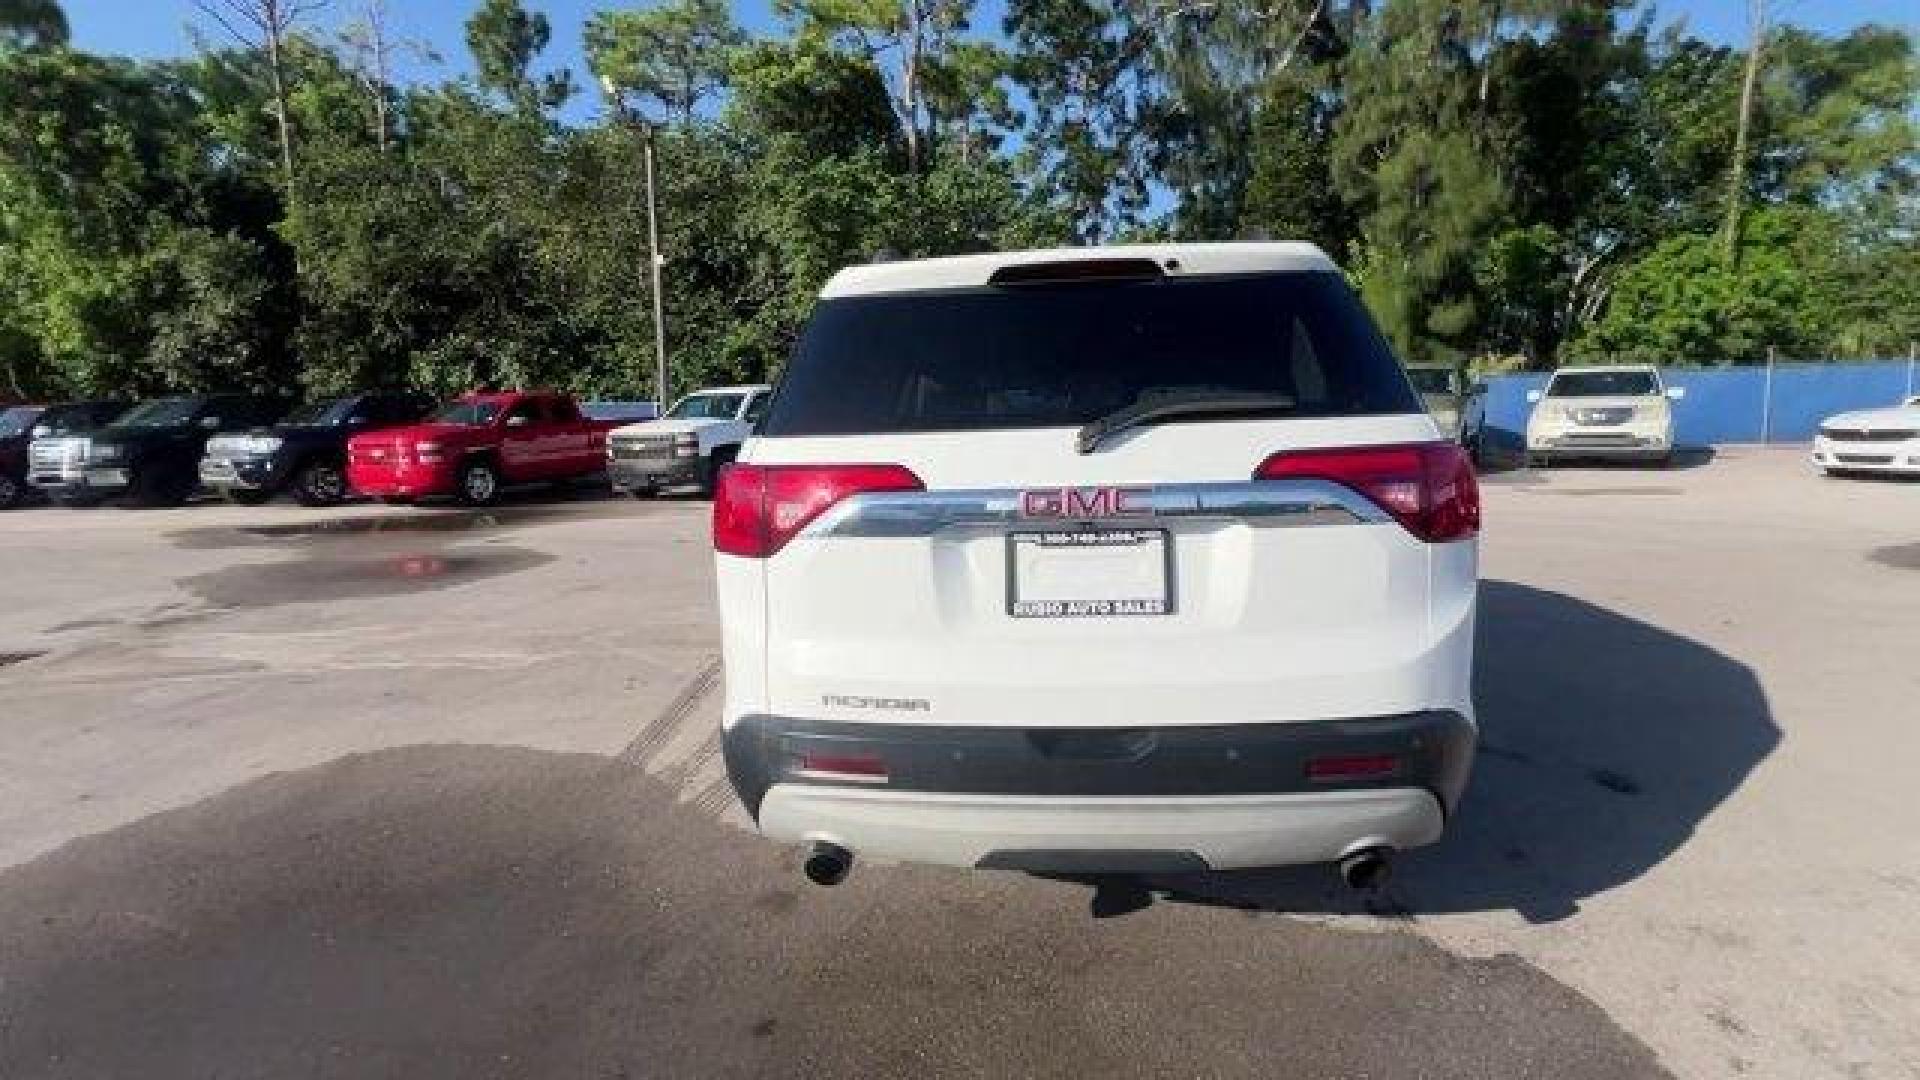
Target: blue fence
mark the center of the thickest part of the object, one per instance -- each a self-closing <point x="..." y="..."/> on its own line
<point x="1732" y="405"/>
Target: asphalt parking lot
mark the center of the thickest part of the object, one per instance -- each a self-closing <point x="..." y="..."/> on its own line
<point x="435" y="793"/>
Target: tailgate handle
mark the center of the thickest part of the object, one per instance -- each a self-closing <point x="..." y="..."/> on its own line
<point x="1109" y="745"/>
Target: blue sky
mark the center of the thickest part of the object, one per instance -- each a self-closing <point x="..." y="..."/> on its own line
<point x="155" y="28"/>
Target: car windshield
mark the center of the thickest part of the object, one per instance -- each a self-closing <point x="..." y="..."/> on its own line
<point x="970" y="359"/>
<point x="17" y="422"/>
<point x="324" y="413"/>
<point x="164" y="413"/>
<point x="1603" y="384"/>
<point x="1431" y="380"/>
<point x="707" y="407"/>
<point x="468" y="412"/>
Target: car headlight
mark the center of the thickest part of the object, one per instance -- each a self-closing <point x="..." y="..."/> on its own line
<point x="261" y="445"/>
<point x="104" y="452"/>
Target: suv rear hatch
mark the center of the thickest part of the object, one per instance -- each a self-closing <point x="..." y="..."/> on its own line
<point x="943" y="539"/>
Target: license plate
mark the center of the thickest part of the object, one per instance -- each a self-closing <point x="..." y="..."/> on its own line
<point x="216" y="468"/>
<point x="1081" y="574"/>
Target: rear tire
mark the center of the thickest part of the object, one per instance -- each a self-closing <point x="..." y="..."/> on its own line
<point x="479" y="483"/>
<point x="320" y="483"/>
<point x="12" y="492"/>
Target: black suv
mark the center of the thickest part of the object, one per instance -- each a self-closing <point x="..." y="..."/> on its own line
<point x="306" y="452"/>
<point x="22" y="424"/>
<point x="150" y="454"/>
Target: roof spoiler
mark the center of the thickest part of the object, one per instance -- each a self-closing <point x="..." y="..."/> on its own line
<point x="1077" y="271"/>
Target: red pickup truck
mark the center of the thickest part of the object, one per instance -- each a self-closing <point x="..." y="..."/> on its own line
<point x="474" y="446"/>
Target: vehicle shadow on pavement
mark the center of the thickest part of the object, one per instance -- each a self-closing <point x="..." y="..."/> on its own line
<point x="1605" y="741"/>
<point x="495" y="912"/>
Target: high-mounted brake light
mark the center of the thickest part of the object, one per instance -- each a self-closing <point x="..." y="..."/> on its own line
<point x="758" y="508"/>
<point x="1427" y="487"/>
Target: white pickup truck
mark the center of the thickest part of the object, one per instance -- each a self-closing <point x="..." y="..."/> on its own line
<point x="688" y="446"/>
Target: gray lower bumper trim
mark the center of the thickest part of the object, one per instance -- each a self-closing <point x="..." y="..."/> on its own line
<point x="628" y="475"/>
<point x="1434" y="750"/>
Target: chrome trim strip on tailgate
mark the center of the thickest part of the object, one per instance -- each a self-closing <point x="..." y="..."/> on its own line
<point x="1263" y="504"/>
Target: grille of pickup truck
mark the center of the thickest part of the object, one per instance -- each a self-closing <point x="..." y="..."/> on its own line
<point x="643" y="446"/>
<point x="57" y="455"/>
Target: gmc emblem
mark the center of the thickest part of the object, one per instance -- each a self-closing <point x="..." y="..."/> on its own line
<point x="1086" y="502"/>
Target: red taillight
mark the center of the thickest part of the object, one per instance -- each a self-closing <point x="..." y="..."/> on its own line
<point x="1352" y="767"/>
<point x="1427" y="487"/>
<point x="758" y="508"/>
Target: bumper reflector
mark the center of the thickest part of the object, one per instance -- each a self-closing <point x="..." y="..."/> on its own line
<point x="1352" y="767"/>
<point x="855" y="767"/>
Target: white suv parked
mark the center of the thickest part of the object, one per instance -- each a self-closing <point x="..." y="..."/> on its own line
<point x="1123" y="560"/>
<point x="1620" y="413"/>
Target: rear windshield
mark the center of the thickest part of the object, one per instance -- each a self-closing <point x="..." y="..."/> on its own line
<point x="1603" y="384"/>
<point x="1048" y="356"/>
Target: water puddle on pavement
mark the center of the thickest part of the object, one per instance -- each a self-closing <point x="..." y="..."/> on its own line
<point x="1898" y="556"/>
<point x="383" y="553"/>
<point x="319" y="580"/>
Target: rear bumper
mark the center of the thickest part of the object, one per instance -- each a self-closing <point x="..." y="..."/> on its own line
<point x="1089" y="835"/>
<point x="1171" y="798"/>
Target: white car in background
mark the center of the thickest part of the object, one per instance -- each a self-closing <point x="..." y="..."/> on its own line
<point x="1871" y="441"/>
<point x="698" y="437"/>
<point x="1618" y="413"/>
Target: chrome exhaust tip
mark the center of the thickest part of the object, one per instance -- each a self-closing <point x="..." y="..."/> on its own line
<point x="1368" y="868"/>
<point x="828" y="864"/>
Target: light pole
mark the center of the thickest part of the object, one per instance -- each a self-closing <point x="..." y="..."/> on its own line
<point x="644" y="129"/>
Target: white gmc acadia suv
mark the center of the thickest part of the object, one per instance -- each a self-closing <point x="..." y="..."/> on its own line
<point x="1118" y="560"/>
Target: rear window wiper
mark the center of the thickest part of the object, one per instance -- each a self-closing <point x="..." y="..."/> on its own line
<point x="1163" y="410"/>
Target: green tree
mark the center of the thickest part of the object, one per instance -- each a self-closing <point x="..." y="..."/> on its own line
<point x="1684" y="302"/>
<point x="1290" y="191"/>
<point x="504" y="38"/>
<point x="674" y="56"/>
<point x="1411" y="153"/>
<point x="1081" y="64"/>
<point x="125" y="235"/>
<point x="32" y="24"/>
<point x="910" y="42"/>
